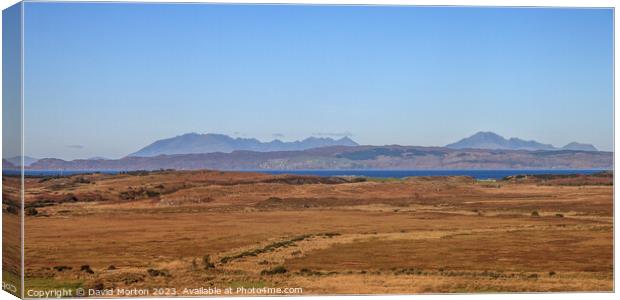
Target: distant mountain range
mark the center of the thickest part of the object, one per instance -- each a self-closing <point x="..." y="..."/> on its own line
<point x="349" y="157"/>
<point x="17" y="160"/>
<point x="490" y="140"/>
<point x="193" y="143"/>
<point x="483" y="150"/>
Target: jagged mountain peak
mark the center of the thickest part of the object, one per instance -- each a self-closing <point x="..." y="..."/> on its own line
<point x="192" y="143"/>
<point x="491" y="140"/>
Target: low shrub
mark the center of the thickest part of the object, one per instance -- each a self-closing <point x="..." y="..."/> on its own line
<point x="151" y="194"/>
<point x="87" y="269"/>
<point x="70" y="198"/>
<point x="274" y="271"/>
<point x="11" y="209"/>
<point x="155" y="272"/>
<point x="31" y="211"/>
<point x="308" y="272"/>
<point x="62" y="268"/>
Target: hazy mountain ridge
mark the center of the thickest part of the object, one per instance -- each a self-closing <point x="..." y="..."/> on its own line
<point x="350" y="157"/>
<point x="579" y="147"/>
<point x="193" y="143"/>
<point x="7" y="165"/>
<point x="17" y="160"/>
<point x="493" y="141"/>
<point x="483" y="150"/>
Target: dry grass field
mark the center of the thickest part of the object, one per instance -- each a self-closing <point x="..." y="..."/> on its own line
<point x="11" y="235"/>
<point x="201" y="229"/>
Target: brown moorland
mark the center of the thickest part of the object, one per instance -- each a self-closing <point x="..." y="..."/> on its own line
<point x="326" y="235"/>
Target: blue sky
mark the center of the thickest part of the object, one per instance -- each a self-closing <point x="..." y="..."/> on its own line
<point x="107" y="79"/>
